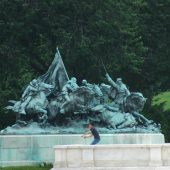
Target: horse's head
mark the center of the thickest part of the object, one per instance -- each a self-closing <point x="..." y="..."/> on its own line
<point x="82" y="92"/>
<point x="79" y="98"/>
<point x="135" y="102"/>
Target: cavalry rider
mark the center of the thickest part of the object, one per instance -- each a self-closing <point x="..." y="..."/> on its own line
<point x="30" y="90"/>
<point x="122" y="90"/>
<point x="69" y="87"/>
<point x="86" y="84"/>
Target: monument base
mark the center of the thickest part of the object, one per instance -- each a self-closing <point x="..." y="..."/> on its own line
<point x="18" y="150"/>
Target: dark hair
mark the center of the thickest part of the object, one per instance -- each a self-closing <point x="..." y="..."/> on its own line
<point x="91" y="123"/>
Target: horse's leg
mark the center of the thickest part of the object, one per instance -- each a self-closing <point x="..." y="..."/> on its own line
<point x="24" y="104"/>
<point x="43" y="119"/>
<point x="113" y="126"/>
<point x="40" y="109"/>
<point x="142" y="117"/>
<point x="62" y="110"/>
<point x="125" y="123"/>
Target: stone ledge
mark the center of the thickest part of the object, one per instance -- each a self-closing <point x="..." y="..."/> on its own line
<point x="148" y="156"/>
<point x="78" y="146"/>
<point x="116" y="168"/>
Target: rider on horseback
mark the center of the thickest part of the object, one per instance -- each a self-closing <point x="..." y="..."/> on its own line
<point x="122" y="90"/>
<point x="69" y="87"/>
<point x="30" y="90"/>
<point x="86" y="84"/>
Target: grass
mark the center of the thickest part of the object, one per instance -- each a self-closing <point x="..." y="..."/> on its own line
<point x="162" y="99"/>
<point x="27" y="168"/>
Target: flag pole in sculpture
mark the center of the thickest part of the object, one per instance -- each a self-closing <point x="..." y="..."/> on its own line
<point x="56" y="74"/>
<point x="58" y="52"/>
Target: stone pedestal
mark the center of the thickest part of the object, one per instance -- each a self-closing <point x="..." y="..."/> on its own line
<point x="112" y="157"/>
<point x="34" y="149"/>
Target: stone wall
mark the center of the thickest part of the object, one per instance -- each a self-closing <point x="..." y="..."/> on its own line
<point x="113" y="157"/>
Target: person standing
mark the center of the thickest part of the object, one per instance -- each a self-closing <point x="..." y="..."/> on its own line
<point x="94" y="133"/>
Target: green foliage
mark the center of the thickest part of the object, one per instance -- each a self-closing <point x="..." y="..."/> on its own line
<point x="162" y="99"/>
<point x="161" y="111"/>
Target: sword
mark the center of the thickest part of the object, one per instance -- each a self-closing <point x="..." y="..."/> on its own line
<point x="103" y="64"/>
